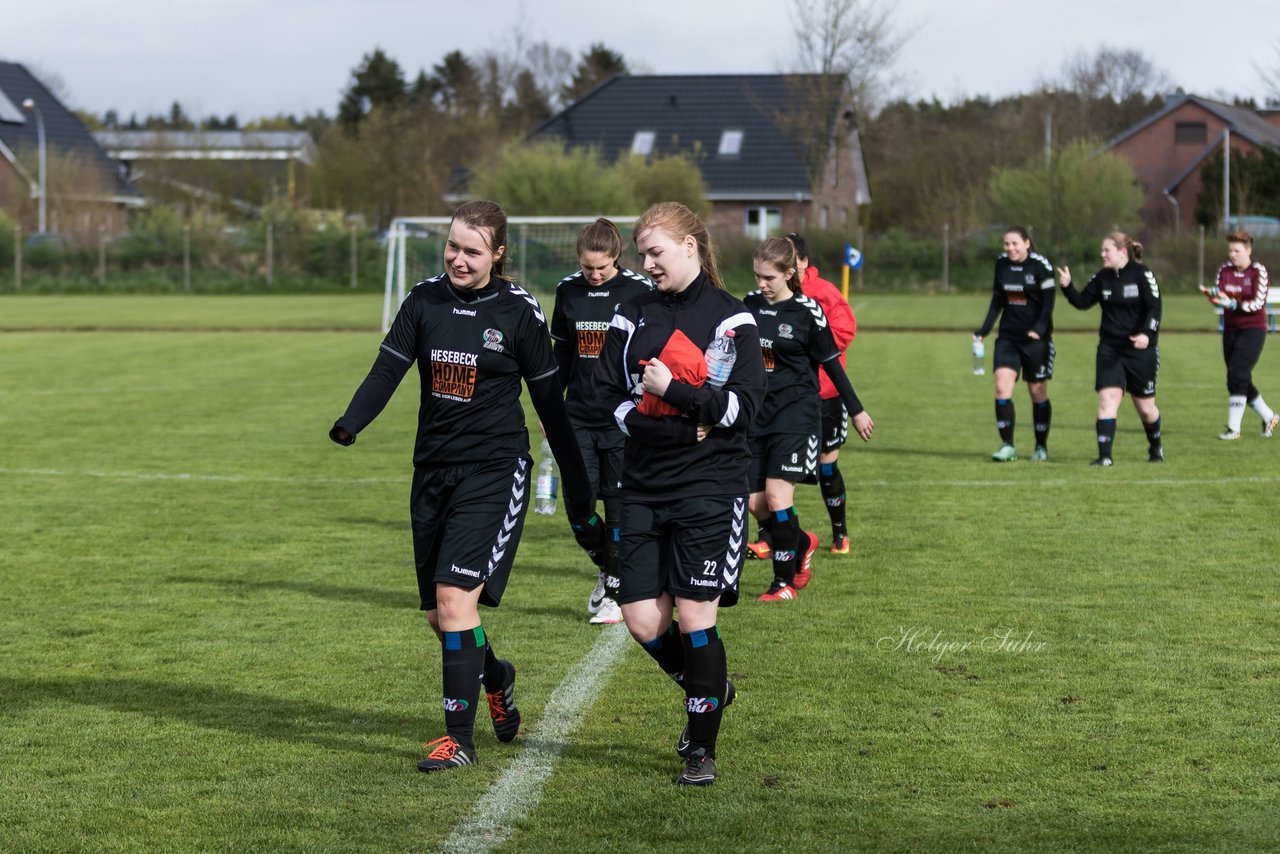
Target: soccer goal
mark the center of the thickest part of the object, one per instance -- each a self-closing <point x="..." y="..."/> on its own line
<point x="542" y="251"/>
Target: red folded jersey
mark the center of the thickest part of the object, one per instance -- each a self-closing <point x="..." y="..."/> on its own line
<point x="686" y="363"/>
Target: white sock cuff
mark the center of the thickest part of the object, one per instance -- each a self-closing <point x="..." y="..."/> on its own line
<point x="1235" y="412"/>
<point x="1260" y="406"/>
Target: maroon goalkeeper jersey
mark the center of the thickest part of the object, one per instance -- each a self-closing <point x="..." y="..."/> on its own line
<point x="1248" y="287"/>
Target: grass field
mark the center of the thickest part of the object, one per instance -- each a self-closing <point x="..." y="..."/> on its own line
<point x="209" y="636"/>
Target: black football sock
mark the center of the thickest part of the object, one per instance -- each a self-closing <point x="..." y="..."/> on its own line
<point x="462" y="660"/>
<point x="764" y="530"/>
<point x="596" y="548"/>
<point x="495" y="675"/>
<point x="706" y="673"/>
<point x="831" y="482"/>
<point x="786" y="539"/>
<point x="668" y="652"/>
<point x="1042" y="415"/>
<point x="1106" y="436"/>
<point x="1004" y="419"/>
<point x="1153" y="435"/>
<point x="613" y="535"/>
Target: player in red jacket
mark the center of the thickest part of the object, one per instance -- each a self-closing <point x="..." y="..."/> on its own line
<point x="835" y="418"/>
<point x="1241" y="291"/>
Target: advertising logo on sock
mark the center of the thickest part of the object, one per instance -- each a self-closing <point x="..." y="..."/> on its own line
<point x="700" y="705"/>
<point x="452" y="705"/>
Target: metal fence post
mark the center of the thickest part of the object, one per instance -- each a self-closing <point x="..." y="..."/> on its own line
<point x="354" y="262"/>
<point x="17" y="257"/>
<point x="270" y="253"/>
<point x="1202" y="254"/>
<point x="862" y="247"/>
<point x="186" y="256"/>
<point x="946" y="257"/>
<point x="102" y="254"/>
<point x="524" y="245"/>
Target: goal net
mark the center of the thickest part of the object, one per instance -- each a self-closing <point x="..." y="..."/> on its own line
<point x="542" y="250"/>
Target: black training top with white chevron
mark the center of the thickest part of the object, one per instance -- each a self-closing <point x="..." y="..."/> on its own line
<point x="472" y="349"/>
<point x="795" y="338"/>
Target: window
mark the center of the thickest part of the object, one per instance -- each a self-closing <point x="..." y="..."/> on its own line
<point x="762" y="222"/>
<point x="844" y="217"/>
<point x="823" y="220"/>
<point x="642" y="144"/>
<point x="730" y="143"/>
<point x="9" y="111"/>
<point x="1190" y="133"/>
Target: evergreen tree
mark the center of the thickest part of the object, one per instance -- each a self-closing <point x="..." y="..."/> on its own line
<point x="376" y="82"/>
<point x="455" y="83"/>
<point x="597" y="65"/>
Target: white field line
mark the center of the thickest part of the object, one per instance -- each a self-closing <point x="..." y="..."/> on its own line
<point x="518" y="791"/>
<point x="200" y="478"/>
<point x="1102" y="479"/>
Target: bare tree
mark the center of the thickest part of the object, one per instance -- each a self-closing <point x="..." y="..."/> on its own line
<point x="1271" y="79"/>
<point x="845" y="52"/>
<point x="1115" y="73"/>
<point x="858" y="40"/>
<point x="51" y="80"/>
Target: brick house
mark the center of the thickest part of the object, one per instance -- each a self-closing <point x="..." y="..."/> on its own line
<point x="86" y="190"/>
<point x="1168" y="149"/>
<point x="745" y="134"/>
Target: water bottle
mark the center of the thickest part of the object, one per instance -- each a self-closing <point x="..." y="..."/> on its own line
<point x="548" y="479"/>
<point x="979" y="353"/>
<point x="720" y="355"/>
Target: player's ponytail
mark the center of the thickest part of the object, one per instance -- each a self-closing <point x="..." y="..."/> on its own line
<point x="601" y="236"/>
<point x="802" y="247"/>
<point x="1127" y="243"/>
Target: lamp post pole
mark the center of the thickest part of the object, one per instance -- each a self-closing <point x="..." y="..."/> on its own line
<point x="30" y="104"/>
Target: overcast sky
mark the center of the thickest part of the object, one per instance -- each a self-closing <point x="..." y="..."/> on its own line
<point x="264" y="57"/>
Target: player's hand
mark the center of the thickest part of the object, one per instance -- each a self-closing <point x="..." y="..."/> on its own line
<point x="1034" y="336"/>
<point x="1140" y="341"/>
<point x="341" y="435"/>
<point x="1064" y="276"/>
<point x="863" y="425"/>
<point x="977" y="338"/>
<point x="657" y="377"/>
<point x="704" y="430"/>
<point x="1226" y="303"/>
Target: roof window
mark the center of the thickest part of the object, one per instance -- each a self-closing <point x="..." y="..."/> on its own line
<point x="642" y="144"/>
<point x="730" y="143"/>
<point x="9" y="111"/>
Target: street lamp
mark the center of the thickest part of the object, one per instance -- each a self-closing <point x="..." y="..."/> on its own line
<point x="30" y="104"/>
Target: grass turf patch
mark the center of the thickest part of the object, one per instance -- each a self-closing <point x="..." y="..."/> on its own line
<point x="210" y="637"/>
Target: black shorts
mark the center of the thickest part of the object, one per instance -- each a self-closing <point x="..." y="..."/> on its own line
<point x="467" y="521"/>
<point x="784" y="456"/>
<point x="690" y="547"/>
<point x="835" y="424"/>
<point x="1033" y="358"/>
<point x="1127" y="368"/>
<point x="602" y="452"/>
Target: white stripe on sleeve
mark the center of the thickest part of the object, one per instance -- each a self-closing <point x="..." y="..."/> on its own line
<point x="731" y="410"/>
<point x="620" y="415"/>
